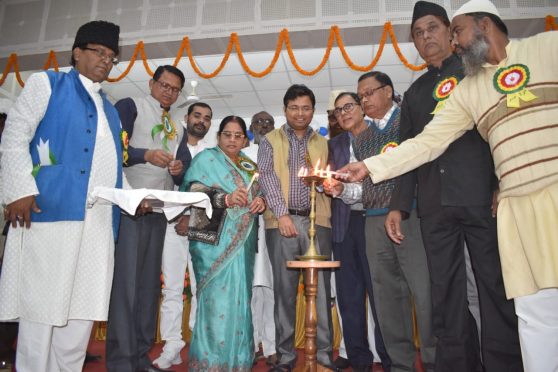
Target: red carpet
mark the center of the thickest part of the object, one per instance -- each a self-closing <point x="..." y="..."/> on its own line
<point x="98" y="347"/>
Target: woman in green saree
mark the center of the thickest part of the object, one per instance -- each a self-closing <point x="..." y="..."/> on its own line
<point x="222" y="251"/>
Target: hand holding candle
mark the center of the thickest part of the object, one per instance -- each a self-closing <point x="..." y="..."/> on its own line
<point x="254" y="179"/>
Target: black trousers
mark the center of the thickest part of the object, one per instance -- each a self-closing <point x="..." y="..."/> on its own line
<point x="136" y="288"/>
<point x="444" y="234"/>
<point x="353" y="282"/>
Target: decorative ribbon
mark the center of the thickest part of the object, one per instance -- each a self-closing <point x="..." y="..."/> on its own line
<point x="167" y="130"/>
<point x="512" y="81"/>
<point x="442" y="92"/>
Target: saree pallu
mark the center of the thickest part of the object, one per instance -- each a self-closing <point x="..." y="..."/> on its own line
<point x="222" y="339"/>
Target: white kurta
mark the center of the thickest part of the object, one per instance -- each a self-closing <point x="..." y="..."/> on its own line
<point x="56" y="271"/>
<point x="262" y="265"/>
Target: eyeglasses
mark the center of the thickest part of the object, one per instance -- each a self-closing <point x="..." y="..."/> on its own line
<point x="430" y="29"/>
<point x="370" y="92"/>
<point x="347" y="107"/>
<point x="265" y="122"/>
<point x="168" y="87"/>
<point x="230" y="135"/>
<point x="305" y="109"/>
<point x="103" y="55"/>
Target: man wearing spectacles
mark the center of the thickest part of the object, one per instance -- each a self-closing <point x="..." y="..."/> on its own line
<point x="400" y="275"/>
<point x="282" y="153"/>
<point x="62" y="139"/>
<point x="158" y="157"/>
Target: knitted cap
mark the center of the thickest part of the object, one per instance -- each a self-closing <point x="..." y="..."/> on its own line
<point x="477" y="6"/>
<point x="98" y="32"/>
<point x="424" y="8"/>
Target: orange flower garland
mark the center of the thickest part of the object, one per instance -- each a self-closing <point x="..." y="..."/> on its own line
<point x="234" y="42"/>
<point x="550" y="23"/>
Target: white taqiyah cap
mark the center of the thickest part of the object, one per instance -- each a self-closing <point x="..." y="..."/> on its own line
<point x="332" y="97"/>
<point x="5" y="105"/>
<point x="477" y="6"/>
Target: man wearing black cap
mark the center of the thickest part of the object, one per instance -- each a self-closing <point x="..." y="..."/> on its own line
<point x="455" y="195"/>
<point x="61" y="140"/>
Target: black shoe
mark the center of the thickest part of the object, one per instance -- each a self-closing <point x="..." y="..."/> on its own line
<point x="330" y="366"/>
<point x="342" y="363"/>
<point x="92" y="358"/>
<point x="280" y="368"/>
<point x="362" y="369"/>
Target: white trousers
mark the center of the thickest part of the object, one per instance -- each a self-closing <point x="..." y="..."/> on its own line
<point x="176" y="257"/>
<point x="263" y="320"/>
<point x="46" y="348"/>
<point x="538" y="330"/>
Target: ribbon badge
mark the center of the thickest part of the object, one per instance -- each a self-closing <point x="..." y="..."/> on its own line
<point x="442" y="91"/>
<point x="388" y="147"/>
<point x="512" y="82"/>
<point x="166" y="130"/>
<point x="125" y="142"/>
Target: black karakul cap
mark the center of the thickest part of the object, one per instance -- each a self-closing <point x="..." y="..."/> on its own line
<point x="98" y="32"/>
<point x="424" y="8"/>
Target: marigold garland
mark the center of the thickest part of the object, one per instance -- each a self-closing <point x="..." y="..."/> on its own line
<point x="550" y="23"/>
<point x="234" y="42"/>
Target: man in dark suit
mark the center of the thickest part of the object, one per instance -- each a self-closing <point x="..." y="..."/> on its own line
<point x="347" y="225"/>
<point x="455" y="194"/>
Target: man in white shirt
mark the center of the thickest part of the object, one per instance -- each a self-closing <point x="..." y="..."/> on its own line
<point x="62" y="139"/>
<point x="176" y="255"/>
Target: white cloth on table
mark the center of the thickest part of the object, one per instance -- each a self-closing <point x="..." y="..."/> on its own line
<point x="171" y="203"/>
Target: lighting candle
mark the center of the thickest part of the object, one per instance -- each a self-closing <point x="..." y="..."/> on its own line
<point x="254" y="178"/>
<point x="317" y="168"/>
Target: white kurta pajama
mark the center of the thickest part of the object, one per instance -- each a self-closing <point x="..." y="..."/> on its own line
<point x="56" y="271"/>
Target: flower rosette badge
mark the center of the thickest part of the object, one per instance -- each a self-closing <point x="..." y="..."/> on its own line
<point x="442" y="92"/>
<point x="125" y="142"/>
<point x="388" y="147"/>
<point x="512" y="81"/>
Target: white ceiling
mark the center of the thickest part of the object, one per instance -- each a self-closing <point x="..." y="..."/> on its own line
<point x="246" y="95"/>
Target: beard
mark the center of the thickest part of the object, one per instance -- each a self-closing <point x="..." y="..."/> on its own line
<point x="197" y="130"/>
<point x="474" y="56"/>
<point x="257" y="137"/>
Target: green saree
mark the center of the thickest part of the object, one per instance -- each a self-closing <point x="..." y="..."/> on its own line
<point x="222" y="251"/>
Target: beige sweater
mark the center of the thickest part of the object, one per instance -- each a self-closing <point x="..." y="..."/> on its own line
<point x="523" y="141"/>
<point x="317" y="149"/>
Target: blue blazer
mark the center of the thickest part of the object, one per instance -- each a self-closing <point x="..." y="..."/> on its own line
<point x="338" y="156"/>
